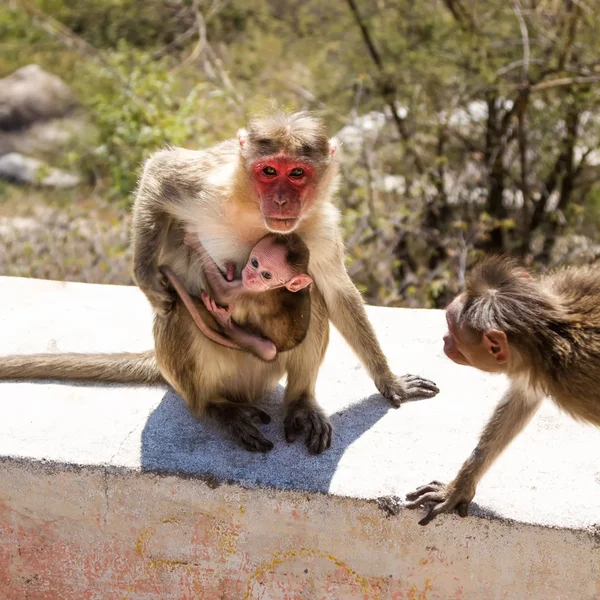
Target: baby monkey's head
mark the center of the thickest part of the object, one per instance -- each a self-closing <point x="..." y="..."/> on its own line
<point x="277" y="261"/>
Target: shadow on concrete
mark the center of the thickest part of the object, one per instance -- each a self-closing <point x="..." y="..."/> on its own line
<point x="173" y="441"/>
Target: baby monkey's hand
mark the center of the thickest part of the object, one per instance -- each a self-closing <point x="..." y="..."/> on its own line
<point x="221" y="315"/>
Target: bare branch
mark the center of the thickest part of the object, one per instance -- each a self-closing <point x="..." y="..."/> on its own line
<point x="387" y="87"/>
<point x="180" y="39"/>
<point x="515" y="65"/>
<point x="199" y="47"/>
<point x="366" y="35"/>
<point x="525" y="37"/>
<point x="563" y="81"/>
<point x="218" y="63"/>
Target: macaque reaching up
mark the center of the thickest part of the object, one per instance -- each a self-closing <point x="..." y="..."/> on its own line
<point x="271" y="293"/>
<point x="544" y="334"/>
<point x="278" y="176"/>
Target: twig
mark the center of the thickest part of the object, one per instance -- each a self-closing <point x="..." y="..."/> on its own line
<point x="201" y="44"/>
<point x="186" y="35"/>
<point x="180" y="39"/>
<point x="222" y="74"/>
<point x="366" y="35"/>
<point x="525" y="37"/>
<point x="386" y="87"/>
<point x="544" y="85"/>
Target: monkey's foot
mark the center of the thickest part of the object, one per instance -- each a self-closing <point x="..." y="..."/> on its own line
<point x="407" y="387"/>
<point x="446" y="498"/>
<point x="238" y="420"/>
<point x="303" y="416"/>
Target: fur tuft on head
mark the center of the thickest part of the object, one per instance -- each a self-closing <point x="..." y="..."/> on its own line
<point x="297" y="253"/>
<point x="501" y="295"/>
<point x="299" y="134"/>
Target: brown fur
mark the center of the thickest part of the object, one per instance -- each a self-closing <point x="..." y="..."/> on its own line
<point x="281" y="316"/>
<point x="552" y="326"/>
<point x="210" y="193"/>
<point x="277" y="314"/>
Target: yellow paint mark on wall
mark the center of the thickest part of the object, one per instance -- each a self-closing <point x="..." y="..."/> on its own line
<point x="280" y="558"/>
<point x="225" y="536"/>
<point x="415" y="594"/>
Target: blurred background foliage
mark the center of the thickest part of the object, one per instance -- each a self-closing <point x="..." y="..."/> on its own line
<point x="467" y="126"/>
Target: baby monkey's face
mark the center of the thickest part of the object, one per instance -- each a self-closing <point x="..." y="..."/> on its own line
<point x="266" y="268"/>
<point x="487" y="351"/>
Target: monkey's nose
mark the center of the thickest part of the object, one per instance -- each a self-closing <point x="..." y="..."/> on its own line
<point x="280" y="200"/>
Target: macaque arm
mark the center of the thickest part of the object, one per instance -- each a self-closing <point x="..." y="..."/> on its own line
<point x="257" y="345"/>
<point x="153" y="212"/>
<point x="347" y="312"/>
<point x="224" y="291"/>
<point x="189" y="304"/>
<point x="511" y="415"/>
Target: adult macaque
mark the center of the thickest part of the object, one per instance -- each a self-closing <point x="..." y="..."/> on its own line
<point x="544" y="334"/>
<point x="271" y="296"/>
<point x="278" y="176"/>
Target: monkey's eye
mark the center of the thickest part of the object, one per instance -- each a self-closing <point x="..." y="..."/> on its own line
<point x="254" y="263"/>
<point x="297" y="172"/>
<point x="270" y="171"/>
<point x="266" y="275"/>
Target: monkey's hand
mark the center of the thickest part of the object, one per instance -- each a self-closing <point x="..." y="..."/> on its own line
<point x="221" y="315"/>
<point x="407" y="387"/>
<point x="303" y="416"/>
<point x="159" y="292"/>
<point x="230" y="271"/>
<point x="445" y="498"/>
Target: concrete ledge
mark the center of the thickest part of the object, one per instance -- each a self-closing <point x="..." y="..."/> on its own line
<point x="117" y="492"/>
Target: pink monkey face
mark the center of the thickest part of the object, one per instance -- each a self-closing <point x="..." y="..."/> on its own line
<point x="267" y="269"/>
<point x="286" y="190"/>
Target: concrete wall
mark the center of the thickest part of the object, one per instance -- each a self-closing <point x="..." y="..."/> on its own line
<point x="117" y="493"/>
<point x="91" y="534"/>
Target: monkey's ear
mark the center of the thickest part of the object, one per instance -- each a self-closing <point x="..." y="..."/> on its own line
<point x="525" y="275"/>
<point x="242" y="136"/>
<point x="496" y="343"/>
<point x="333" y="146"/>
<point x="298" y="282"/>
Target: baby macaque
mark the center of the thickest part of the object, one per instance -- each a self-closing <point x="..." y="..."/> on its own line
<point x="272" y="295"/>
<point x="544" y="334"/>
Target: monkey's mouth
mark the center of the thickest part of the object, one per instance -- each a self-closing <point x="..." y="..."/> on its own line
<point x="281" y="225"/>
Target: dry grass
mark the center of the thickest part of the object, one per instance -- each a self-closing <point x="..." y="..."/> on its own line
<point x="68" y="236"/>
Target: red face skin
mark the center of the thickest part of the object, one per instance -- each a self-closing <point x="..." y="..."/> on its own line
<point x="489" y="353"/>
<point x="286" y="189"/>
<point x="267" y="269"/>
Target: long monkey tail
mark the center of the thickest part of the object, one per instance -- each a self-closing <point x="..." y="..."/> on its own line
<point x="126" y="367"/>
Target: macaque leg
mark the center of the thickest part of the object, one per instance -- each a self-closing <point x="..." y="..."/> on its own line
<point x="179" y="363"/>
<point x="510" y="417"/>
<point x="259" y="346"/>
<point x="303" y="414"/>
<point x="238" y="421"/>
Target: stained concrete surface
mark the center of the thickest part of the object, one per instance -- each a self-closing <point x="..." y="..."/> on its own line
<point x="549" y="477"/>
